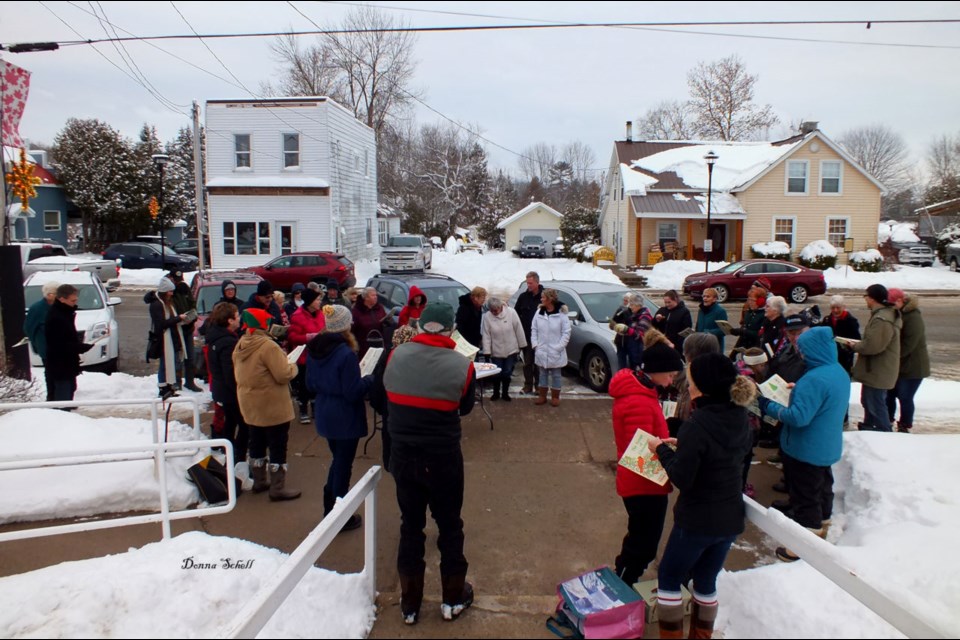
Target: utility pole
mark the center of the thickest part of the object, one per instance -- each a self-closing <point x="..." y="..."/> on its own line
<point x="202" y="231"/>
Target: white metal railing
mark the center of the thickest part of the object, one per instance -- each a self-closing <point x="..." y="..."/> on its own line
<point x="829" y="561"/>
<point x="157" y="450"/>
<point x="258" y="610"/>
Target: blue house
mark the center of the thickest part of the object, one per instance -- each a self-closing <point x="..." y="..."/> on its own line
<point x="48" y="215"/>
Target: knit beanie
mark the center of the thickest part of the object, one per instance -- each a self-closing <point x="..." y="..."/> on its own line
<point x="658" y="355"/>
<point x="333" y="284"/>
<point x="264" y="288"/>
<point x="165" y="285"/>
<point x="254" y="319"/>
<point x="763" y="283"/>
<point x="878" y="292"/>
<point x="895" y="295"/>
<point x="714" y="375"/>
<point x="403" y="334"/>
<point x="338" y="318"/>
<point x="309" y="296"/>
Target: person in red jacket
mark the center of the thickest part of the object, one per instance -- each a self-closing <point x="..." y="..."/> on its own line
<point x="635" y="406"/>
<point x="414" y="307"/>
<point x="305" y="323"/>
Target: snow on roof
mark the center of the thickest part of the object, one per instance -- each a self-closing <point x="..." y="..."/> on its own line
<point x="293" y="181"/>
<point x="634" y="182"/>
<point x="527" y="209"/>
<point x="62" y="277"/>
<point x="15" y="210"/>
<point x="737" y="162"/>
<point x="719" y="203"/>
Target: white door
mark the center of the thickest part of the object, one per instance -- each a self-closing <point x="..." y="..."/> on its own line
<point x="287" y="233"/>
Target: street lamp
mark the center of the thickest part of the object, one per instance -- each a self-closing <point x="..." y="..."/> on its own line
<point x="161" y="160"/>
<point x="711" y="158"/>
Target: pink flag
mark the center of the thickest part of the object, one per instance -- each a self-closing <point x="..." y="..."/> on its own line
<point x="14" y="86"/>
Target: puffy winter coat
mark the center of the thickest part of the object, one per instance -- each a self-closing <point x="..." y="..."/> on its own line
<point x="333" y="376"/>
<point x="914" y="358"/>
<point x="263" y="380"/>
<point x="635" y="406"/>
<point x="878" y="364"/>
<point x="707" y="320"/>
<point x="502" y="334"/>
<point x="813" y="423"/>
<point x="302" y="324"/>
<point x="409" y="311"/>
<point x="549" y="335"/>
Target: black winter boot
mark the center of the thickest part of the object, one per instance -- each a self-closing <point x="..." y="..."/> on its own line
<point x="496" y="391"/>
<point x="411" y="597"/>
<point x="457" y="596"/>
<point x="506" y="391"/>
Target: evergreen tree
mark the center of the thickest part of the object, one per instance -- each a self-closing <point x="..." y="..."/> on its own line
<point x="477" y="186"/>
<point x="579" y="224"/>
<point x="534" y="192"/>
<point x="503" y="204"/>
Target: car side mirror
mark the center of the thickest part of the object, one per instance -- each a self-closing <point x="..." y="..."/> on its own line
<point x="114" y="301"/>
<point x="574" y="316"/>
<point x="738" y="274"/>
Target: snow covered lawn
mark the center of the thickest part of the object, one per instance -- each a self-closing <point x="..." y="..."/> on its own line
<point x="147" y="593"/>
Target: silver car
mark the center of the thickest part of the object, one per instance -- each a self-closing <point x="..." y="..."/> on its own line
<point x="591" y="305"/>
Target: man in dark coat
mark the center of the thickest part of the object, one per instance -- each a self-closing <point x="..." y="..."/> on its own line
<point x="64" y="345"/>
<point x="526" y="307"/>
<point x="673" y="318"/>
<point x="333" y="295"/>
<point x="184" y="303"/>
<point x="262" y="299"/>
<point x="470" y="315"/>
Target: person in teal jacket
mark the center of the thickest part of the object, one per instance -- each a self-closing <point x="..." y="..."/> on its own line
<point x="812" y="435"/>
<point x="35" y="328"/>
<point x="710" y="312"/>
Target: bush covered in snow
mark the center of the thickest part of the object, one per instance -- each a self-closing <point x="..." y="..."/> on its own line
<point x="819" y="254"/>
<point x="899" y="232"/>
<point x="870" y="261"/>
<point x="775" y="250"/>
<point x="950" y="234"/>
<point x="582" y="251"/>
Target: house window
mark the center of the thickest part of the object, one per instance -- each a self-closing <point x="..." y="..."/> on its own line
<point x="51" y="221"/>
<point x="291" y="151"/>
<point x="667" y="232"/>
<point x="246" y="238"/>
<point x="383" y="232"/>
<point x="830" y="174"/>
<point x="837" y="231"/>
<point x="797" y="171"/>
<point x="369" y="231"/>
<point x="241" y="146"/>
<point x="783" y="229"/>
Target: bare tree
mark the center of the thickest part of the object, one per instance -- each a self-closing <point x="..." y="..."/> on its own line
<point x="669" y="120"/>
<point x="305" y="72"/>
<point x="535" y="161"/>
<point x="943" y="161"/>
<point x="721" y="99"/>
<point x="581" y="159"/>
<point x="881" y="151"/>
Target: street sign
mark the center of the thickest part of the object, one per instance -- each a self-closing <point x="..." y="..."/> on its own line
<point x="848" y="245"/>
<point x="708" y="246"/>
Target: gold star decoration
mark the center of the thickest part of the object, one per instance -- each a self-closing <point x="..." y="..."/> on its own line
<point x="22" y="180"/>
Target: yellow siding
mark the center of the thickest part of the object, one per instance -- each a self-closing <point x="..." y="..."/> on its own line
<point x="539" y="218"/>
<point x="619" y="214"/>
<point x="767" y="199"/>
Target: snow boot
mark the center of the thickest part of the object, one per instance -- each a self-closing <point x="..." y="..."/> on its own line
<point x="496" y="391"/>
<point x="541" y="396"/>
<point x="702" y="619"/>
<point x="785" y="555"/>
<point x="457" y="596"/>
<point x="506" y="391"/>
<point x="278" y="478"/>
<point x="411" y="597"/>
<point x="167" y="391"/>
<point x="554" y="397"/>
<point x="190" y="385"/>
<point x="671" y="620"/>
<point x="903" y="428"/>
<point x="527" y="389"/>
<point x="304" y="414"/>
<point x="258" y="471"/>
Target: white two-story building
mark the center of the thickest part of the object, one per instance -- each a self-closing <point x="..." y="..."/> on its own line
<point x="287" y="175"/>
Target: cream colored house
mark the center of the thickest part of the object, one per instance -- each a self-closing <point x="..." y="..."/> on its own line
<point x="797" y="190"/>
<point x="536" y="219"/>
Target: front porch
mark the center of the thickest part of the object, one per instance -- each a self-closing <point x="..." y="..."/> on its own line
<point x="672" y="239"/>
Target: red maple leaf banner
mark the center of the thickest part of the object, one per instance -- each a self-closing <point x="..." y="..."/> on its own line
<point x="14" y="87"/>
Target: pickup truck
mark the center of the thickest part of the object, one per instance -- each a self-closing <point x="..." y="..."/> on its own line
<point x="533" y="247"/>
<point x="406" y="252"/>
<point x="37" y="257"/>
<point x="952" y="256"/>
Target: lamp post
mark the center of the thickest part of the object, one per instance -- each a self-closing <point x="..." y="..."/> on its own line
<point x="711" y="158"/>
<point x="161" y="160"/>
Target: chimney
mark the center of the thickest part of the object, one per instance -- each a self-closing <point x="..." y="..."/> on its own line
<point x="809" y="127"/>
<point x="629" y="131"/>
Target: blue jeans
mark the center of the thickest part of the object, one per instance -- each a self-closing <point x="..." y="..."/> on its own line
<point x="634" y="353"/>
<point x="341" y="467"/>
<point x="507" y="364"/>
<point x="64" y="388"/>
<point x="875" y="416"/>
<point x="550" y="378"/>
<point x="692" y="555"/>
<point x="904" y="391"/>
<point x="623" y="358"/>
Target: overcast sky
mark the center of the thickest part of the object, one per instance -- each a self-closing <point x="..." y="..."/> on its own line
<point x="520" y="87"/>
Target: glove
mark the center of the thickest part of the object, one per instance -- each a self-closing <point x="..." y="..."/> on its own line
<point x="764" y="403"/>
<point x="620" y="328"/>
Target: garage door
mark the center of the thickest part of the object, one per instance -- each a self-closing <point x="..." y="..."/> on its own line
<point x="547" y="234"/>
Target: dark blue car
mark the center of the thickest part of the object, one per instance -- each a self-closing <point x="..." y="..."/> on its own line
<point x="144" y="255"/>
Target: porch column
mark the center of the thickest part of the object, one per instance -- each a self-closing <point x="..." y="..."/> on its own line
<point x="738" y="243"/>
<point x="689" y="252"/>
<point x="638" y="249"/>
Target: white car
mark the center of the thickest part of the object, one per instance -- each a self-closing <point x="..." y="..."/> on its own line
<point x="96" y="322"/>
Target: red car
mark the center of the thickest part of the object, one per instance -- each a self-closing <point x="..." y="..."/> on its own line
<point x="793" y="282"/>
<point x="307" y="266"/>
<point x="207" y="289"/>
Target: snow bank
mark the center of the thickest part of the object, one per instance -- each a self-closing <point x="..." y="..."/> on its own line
<point x="817" y="249"/>
<point x="669" y="274"/>
<point x="146" y="593"/>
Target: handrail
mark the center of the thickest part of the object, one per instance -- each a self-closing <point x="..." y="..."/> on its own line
<point x="259" y="609"/>
<point x="829" y="561"/>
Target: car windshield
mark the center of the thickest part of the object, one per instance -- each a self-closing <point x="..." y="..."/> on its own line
<point x="404" y="242"/>
<point x="449" y="294"/>
<point x="533" y="239"/>
<point x="88" y="300"/>
<point x="210" y="294"/>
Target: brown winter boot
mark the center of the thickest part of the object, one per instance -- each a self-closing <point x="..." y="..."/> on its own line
<point x="457" y="596"/>
<point x="671" y="620"/>
<point x="411" y="597"/>
<point x="541" y="396"/>
<point x="278" y="477"/>
<point x="702" y="619"/>
<point x="555" y="397"/>
<point x="258" y="471"/>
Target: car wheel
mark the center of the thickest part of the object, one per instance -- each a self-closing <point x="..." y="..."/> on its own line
<point x="928" y="264"/>
<point x="798" y="294"/>
<point x="953" y="265"/>
<point x="722" y="293"/>
<point x="596" y="370"/>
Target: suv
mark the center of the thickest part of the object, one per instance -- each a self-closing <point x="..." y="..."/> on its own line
<point x="915" y="253"/>
<point x="145" y="255"/>
<point x="307" y="266"/>
<point x="533" y="247"/>
<point x="952" y="256"/>
<point x="393" y="291"/>
<point x="207" y="289"/>
<point x="406" y="252"/>
<point x="191" y="247"/>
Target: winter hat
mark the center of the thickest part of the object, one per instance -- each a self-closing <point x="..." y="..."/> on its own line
<point x="264" y="288"/>
<point x="896" y="295"/>
<point x="437" y="317"/>
<point x="254" y="319"/>
<point x="878" y="292"/>
<point x="403" y="334"/>
<point x="658" y="355"/>
<point x="338" y="318"/>
<point x="794" y="322"/>
<point x="309" y="296"/>
<point x="333" y="284"/>
<point x="297" y="288"/>
<point x="165" y="285"/>
<point x="763" y="283"/>
<point x="714" y="374"/>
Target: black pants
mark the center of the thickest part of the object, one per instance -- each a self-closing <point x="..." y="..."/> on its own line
<point x="811" y="491"/>
<point x="434" y="481"/>
<point x="530" y="373"/>
<point x="385" y="439"/>
<point x="341" y="468"/>
<point x="645" y="516"/>
<point x="236" y="431"/>
<point x="300" y="388"/>
<point x="273" y="438"/>
<point x="49" y="382"/>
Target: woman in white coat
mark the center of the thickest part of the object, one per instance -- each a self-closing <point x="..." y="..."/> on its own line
<point x="503" y="338"/>
<point x="549" y="336"/>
